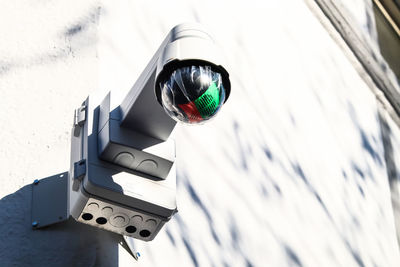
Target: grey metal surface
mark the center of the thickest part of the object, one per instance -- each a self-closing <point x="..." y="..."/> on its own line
<point x="49" y="200"/>
<point x="118" y="145"/>
<point x="128" y="244"/>
<point x="132" y="190"/>
<point x="146" y="115"/>
<point x="127" y="147"/>
<point x="121" y="220"/>
<point x="116" y="184"/>
<point x="141" y="102"/>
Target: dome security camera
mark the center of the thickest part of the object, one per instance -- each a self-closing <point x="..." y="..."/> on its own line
<point x="192" y="94"/>
<point x="122" y="175"/>
<point x="191" y="84"/>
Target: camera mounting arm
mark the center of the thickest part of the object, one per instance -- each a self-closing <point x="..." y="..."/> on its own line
<point x="140" y="124"/>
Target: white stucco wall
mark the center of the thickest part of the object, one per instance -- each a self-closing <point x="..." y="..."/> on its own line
<point x="291" y="173"/>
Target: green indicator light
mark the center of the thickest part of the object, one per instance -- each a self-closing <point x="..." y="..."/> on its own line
<point x="208" y="102"/>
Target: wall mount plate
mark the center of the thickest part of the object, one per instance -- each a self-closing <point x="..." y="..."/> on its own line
<point x="50" y="200"/>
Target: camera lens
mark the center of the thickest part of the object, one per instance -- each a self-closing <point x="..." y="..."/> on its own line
<point x="193" y="94"/>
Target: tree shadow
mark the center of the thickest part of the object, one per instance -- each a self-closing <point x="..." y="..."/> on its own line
<point x="392" y="173"/>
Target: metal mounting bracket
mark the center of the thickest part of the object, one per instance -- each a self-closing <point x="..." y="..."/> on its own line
<point x="50" y="200"/>
<point x="79" y="119"/>
<point x="129" y="245"/>
<point x="50" y="206"/>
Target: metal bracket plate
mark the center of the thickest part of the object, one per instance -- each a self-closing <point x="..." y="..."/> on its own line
<point x="79" y="169"/>
<point x="50" y="200"/>
<point x="128" y="244"/>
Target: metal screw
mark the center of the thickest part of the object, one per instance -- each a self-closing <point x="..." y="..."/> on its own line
<point x="138" y="254"/>
<point x="36" y="182"/>
<point x="35" y="224"/>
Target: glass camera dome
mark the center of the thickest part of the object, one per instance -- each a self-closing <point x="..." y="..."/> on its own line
<point x="193" y="94"/>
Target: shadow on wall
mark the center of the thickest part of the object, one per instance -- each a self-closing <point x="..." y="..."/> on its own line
<point x="65" y="244"/>
<point x="392" y="173"/>
<point x="69" y="42"/>
<point x="356" y="180"/>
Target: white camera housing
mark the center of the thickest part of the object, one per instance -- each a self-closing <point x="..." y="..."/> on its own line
<point x="122" y="174"/>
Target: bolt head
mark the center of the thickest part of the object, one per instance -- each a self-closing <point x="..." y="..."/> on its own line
<point x="35" y="224"/>
<point x="138" y="254"/>
<point x="36" y="181"/>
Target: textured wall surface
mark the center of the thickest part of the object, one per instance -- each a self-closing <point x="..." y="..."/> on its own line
<point x="293" y="172"/>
